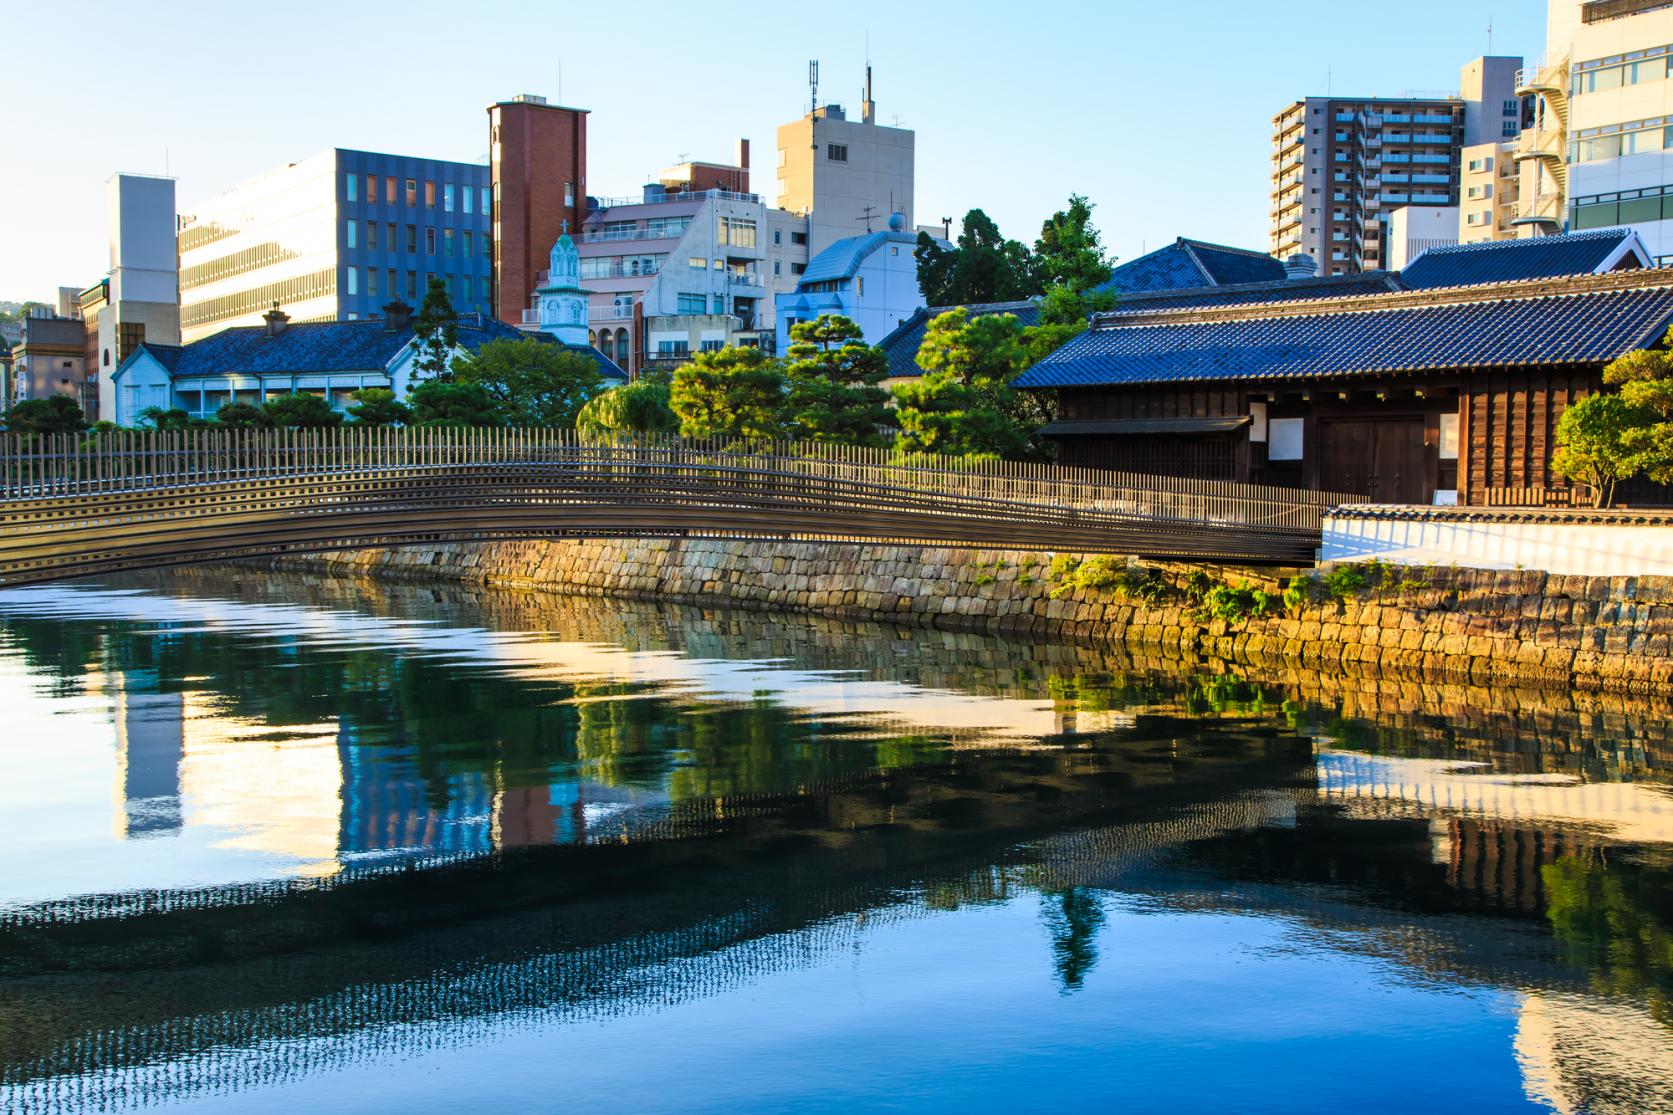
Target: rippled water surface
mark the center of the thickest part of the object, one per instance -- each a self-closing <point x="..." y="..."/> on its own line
<point x="272" y="843"/>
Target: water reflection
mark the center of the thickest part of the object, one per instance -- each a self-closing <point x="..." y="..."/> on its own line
<point x="281" y="836"/>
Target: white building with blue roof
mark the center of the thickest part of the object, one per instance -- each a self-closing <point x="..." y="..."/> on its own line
<point x="332" y="359"/>
<point x="871" y="279"/>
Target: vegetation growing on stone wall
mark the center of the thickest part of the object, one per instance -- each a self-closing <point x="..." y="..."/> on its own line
<point x="1103" y="573"/>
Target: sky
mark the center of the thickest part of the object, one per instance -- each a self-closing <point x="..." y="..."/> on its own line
<point x="1160" y="113"/>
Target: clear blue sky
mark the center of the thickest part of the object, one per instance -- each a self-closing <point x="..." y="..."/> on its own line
<point x="1160" y="113"/>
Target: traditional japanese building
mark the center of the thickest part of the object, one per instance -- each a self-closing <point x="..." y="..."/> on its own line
<point x="1444" y="394"/>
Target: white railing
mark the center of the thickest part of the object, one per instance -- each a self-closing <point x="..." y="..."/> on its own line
<point x="648" y="233"/>
<point x="677" y="195"/>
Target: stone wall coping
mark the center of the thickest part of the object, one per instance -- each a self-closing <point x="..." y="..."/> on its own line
<point x="1586" y="516"/>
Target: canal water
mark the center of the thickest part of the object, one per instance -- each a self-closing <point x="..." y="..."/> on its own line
<point x="273" y="844"/>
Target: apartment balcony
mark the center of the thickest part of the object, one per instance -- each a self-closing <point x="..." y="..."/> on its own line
<point x="744" y="279"/>
<point x="610" y="236"/>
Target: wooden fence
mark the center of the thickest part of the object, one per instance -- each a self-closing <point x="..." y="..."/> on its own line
<point x="73" y="505"/>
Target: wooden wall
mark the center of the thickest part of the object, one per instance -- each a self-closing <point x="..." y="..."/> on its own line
<point x="1184" y="401"/>
<point x="1508" y="431"/>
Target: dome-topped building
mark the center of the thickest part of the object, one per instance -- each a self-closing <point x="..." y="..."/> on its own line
<point x="563" y="304"/>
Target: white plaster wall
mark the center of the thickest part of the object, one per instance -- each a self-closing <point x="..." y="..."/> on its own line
<point x="1592" y="549"/>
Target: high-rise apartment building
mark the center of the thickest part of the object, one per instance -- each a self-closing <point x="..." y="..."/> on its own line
<point x="1338" y="163"/>
<point x="333" y="238"/>
<point x="846" y="176"/>
<point x="538" y="163"/>
<point x="1601" y="152"/>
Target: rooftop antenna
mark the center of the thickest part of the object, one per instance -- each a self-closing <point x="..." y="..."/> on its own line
<point x="866" y="214"/>
<point x="813" y="83"/>
<point x="1489" y="35"/>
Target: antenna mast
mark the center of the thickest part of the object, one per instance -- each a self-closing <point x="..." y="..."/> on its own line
<point x="813" y="83"/>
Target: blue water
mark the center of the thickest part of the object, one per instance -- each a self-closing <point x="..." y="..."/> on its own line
<point x="275" y="844"/>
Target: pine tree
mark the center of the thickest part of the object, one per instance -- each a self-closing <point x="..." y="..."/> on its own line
<point x="835" y="378"/>
<point x="436" y="333"/>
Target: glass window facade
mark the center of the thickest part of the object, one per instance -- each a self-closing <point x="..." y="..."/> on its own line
<point x="325" y="238"/>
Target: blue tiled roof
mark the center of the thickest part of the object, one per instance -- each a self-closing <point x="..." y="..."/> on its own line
<point x="1187" y="264"/>
<point x="842" y="258"/>
<point x="1500" y="261"/>
<point x="901" y="346"/>
<point x="1583" y="328"/>
<point x="1281" y="290"/>
<point x="306" y="347"/>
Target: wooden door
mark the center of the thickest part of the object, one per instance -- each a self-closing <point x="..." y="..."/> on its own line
<point x="1380" y="459"/>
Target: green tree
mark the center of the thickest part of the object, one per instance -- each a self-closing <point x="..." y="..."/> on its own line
<point x="1069" y="252"/>
<point x="442" y="402"/>
<point x="435" y="333"/>
<point x="55" y="414"/>
<point x="938" y="414"/>
<point x="834" y="378"/>
<point x="1645" y="379"/>
<point x="241" y="415"/>
<point x="633" y="408"/>
<point x="735" y="392"/>
<point x="165" y="418"/>
<point x="378" y="406"/>
<point x="533" y="383"/>
<point x="983" y="267"/>
<point x="965" y="403"/>
<point x="1592" y="443"/>
<point x="1069" y="258"/>
<point x="300" y="411"/>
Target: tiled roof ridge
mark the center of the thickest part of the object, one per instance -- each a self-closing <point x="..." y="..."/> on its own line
<point x="1255" y="253"/>
<point x="1015" y="303"/>
<point x="1274" y="285"/>
<point x="1534" y="241"/>
<point x="1518" y="290"/>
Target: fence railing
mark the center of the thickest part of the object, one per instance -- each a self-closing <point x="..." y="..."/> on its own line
<point x="75" y="504"/>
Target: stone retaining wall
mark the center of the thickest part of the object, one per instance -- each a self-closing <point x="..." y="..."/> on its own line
<point x="1480" y="626"/>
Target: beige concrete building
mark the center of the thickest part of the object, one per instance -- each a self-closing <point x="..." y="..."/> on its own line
<point x="139" y="300"/>
<point x="847" y="176"/>
<point x="1489" y="189"/>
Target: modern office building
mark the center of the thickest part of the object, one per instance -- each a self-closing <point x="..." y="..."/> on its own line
<point x="1601" y="153"/>
<point x="139" y="299"/>
<point x="1340" y="165"/>
<point x="846" y="176"/>
<point x="537" y="162"/>
<point x="334" y="237"/>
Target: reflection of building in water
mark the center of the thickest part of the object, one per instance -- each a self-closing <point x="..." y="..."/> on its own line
<point x="272" y="789"/>
<point x="149" y="742"/>
<point x="390" y="810"/>
<point x="1581" y="1053"/>
<point x="1376" y="785"/>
